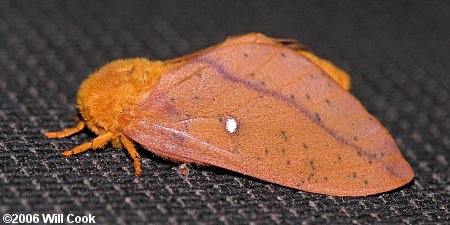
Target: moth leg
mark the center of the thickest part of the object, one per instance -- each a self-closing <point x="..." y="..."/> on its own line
<point x="98" y="142"/>
<point x="66" y="132"/>
<point x="129" y="146"/>
<point x="183" y="169"/>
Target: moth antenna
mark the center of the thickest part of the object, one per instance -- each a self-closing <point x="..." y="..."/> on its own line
<point x="67" y="132"/>
<point x="129" y="146"/>
<point x="98" y="142"/>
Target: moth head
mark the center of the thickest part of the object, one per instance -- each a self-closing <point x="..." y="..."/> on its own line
<point x="112" y="89"/>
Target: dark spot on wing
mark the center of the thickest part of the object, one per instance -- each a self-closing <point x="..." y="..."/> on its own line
<point x="263" y="83"/>
<point x="258" y="158"/>
<point x="293" y="97"/>
<point x="197" y="97"/>
<point x="325" y="178"/>
<point x="245" y="55"/>
<point x="358" y="152"/>
<point x="308" y="97"/>
<point x="370" y="118"/>
<point x="327" y="101"/>
<point x="199" y="75"/>
<point x="300" y="183"/>
<point x="312" y="165"/>
<point x="283" y="150"/>
<point x="305" y="146"/>
<point x="283" y="135"/>
<point x="266" y="151"/>
<point x="353" y="174"/>
<point x="283" y="55"/>
<point x="261" y="96"/>
<point x="311" y="76"/>
<point x="172" y="99"/>
<point x="311" y="175"/>
<point x="355" y="138"/>
<point x="366" y="182"/>
<point x="317" y="117"/>
<point x="374" y="157"/>
<point x="288" y="162"/>
<point x="252" y="75"/>
<point x="220" y="119"/>
<point x="339" y="158"/>
<point x="329" y="84"/>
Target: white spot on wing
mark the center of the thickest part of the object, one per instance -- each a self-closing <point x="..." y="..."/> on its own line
<point x="231" y="125"/>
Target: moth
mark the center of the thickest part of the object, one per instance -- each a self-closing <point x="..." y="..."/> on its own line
<point x="264" y="107"/>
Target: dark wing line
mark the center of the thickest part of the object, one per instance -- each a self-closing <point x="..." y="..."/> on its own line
<point x="228" y="76"/>
<point x="189" y="57"/>
<point x="256" y="68"/>
<point x="220" y="92"/>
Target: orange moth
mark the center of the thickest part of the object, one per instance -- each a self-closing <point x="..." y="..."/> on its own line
<point x="267" y="108"/>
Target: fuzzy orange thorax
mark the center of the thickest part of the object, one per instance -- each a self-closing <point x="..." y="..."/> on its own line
<point x="115" y="87"/>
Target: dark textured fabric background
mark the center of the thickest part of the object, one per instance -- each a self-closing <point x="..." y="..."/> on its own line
<point x="397" y="53"/>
